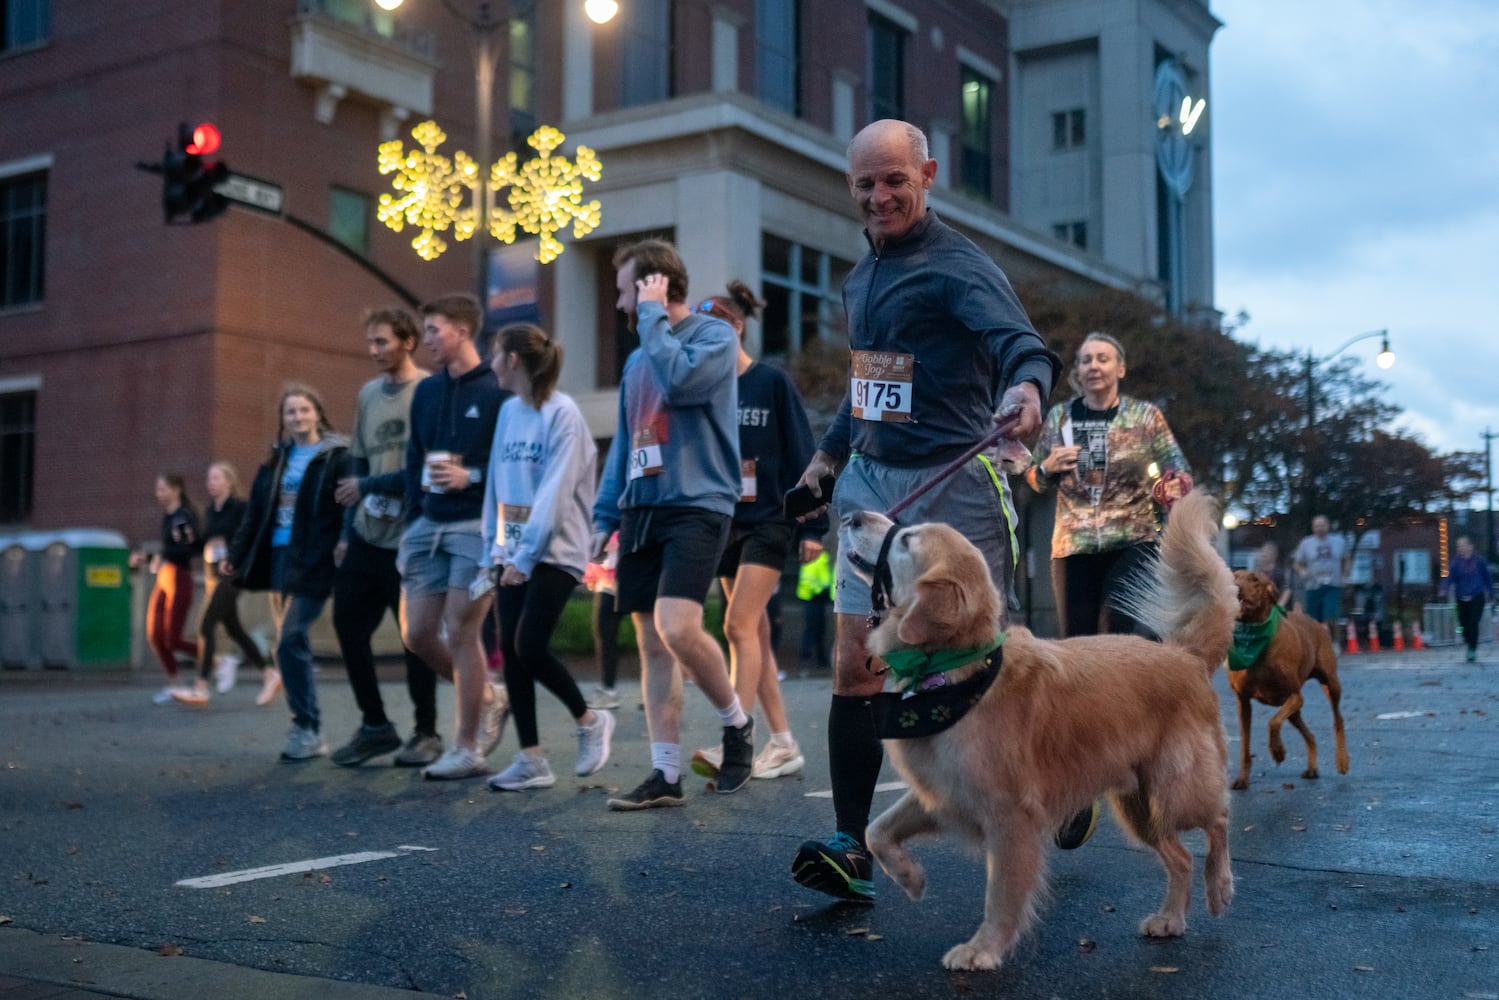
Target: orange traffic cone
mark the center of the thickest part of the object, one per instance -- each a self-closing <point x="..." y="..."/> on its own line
<point x="1373" y="637"/>
<point x="1416" y="642"/>
<point x="1352" y="645"/>
<point x="1399" y="644"/>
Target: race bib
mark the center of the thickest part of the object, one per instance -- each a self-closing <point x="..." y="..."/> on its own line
<point x="879" y="386"/>
<point x="513" y="520"/>
<point x="381" y="507"/>
<point x="747" y="481"/>
<point x="645" y="454"/>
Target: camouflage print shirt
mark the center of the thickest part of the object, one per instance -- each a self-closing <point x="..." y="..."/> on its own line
<point x="1106" y="504"/>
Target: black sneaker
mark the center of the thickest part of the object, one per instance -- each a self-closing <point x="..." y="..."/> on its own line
<point x="1075" y="832"/>
<point x="838" y="866"/>
<point x="651" y="793"/>
<point x="738" y="757"/>
<point x="367" y="743"/>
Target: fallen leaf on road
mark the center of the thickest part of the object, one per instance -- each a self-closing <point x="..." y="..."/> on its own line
<point x="325" y="878"/>
<point x="1299" y="829"/>
<point x="856" y="931"/>
<point x="170" y="950"/>
<point x="1108" y="907"/>
<point x="4" y="920"/>
<point x="75" y="805"/>
<point x="1287" y="786"/>
<point x="1085" y="946"/>
<point x="873" y="937"/>
<point x="567" y="885"/>
<point x="1164" y="968"/>
<point x="538" y="847"/>
<point x="256" y="920"/>
<point x="1363" y="968"/>
<point x="1249" y="827"/>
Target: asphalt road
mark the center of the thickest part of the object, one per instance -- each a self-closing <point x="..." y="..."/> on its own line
<point x="1379" y="883"/>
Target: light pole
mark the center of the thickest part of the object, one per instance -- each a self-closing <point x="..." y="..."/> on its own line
<point x="1385" y="359"/>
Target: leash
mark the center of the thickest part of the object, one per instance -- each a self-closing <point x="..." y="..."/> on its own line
<point x="1001" y="428"/>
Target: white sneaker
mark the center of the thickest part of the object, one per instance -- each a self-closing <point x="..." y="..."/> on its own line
<point x="458" y="762"/>
<point x="707" y="762"/>
<point x="166" y="695"/>
<point x="777" y="761"/>
<point x="492" y="720"/>
<point x="603" y="697"/>
<point x="195" y="695"/>
<point x="303" y="744"/>
<point x="593" y="743"/>
<point x="524" y="772"/>
<point x="270" y="686"/>
<point x="227" y="667"/>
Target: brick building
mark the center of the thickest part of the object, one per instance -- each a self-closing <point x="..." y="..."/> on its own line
<point x="128" y="347"/>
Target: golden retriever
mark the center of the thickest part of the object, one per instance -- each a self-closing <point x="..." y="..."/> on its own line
<point x="1300" y="650"/>
<point x="1063" y="723"/>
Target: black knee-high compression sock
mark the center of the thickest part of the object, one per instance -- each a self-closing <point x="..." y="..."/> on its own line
<point x="854" y="759"/>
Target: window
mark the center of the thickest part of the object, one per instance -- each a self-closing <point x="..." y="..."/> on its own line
<point x="24" y="23"/>
<point x="349" y="219"/>
<point x="1069" y="129"/>
<point x="645" y="52"/>
<point x="1075" y="233"/>
<point x="23" y="229"/>
<point x="887" y="69"/>
<point x="803" y="295"/>
<point x="17" y="455"/>
<point x="777" y="53"/>
<point x="977" y="163"/>
<point x="522" y="77"/>
<point x="1412" y="566"/>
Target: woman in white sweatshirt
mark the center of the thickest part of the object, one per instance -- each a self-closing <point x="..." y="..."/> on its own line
<point x="538" y="506"/>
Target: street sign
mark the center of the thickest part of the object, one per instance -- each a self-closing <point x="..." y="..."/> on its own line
<point x="252" y="192"/>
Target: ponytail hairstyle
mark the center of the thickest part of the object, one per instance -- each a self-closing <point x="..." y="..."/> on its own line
<point x="735" y="308"/>
<point x="175" y="481"/>
<point x="540" y="354"/>
<point x="324" y="425"/>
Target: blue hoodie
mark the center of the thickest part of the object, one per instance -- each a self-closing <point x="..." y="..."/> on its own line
<point x="679" y="416"/>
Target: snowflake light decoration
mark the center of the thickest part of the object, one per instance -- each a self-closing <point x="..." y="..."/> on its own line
<point x="546" y="194"/>
<point x="434" y="190"/>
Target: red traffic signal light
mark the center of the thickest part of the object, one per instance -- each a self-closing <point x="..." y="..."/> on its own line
<point x="205" y="140"/>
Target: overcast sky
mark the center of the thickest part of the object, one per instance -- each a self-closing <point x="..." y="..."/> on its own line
<point x="1356" y="186"/>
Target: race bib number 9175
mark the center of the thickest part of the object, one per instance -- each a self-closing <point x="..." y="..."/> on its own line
<point x="879" y="385"/>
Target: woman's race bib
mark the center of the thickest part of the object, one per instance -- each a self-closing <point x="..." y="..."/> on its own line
<point x="748" y="488"/>
<point x="513" y="520"/>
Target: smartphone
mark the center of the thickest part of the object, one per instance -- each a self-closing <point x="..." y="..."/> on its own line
<point x="800" y="501"/>
<point x="483" y="583"/>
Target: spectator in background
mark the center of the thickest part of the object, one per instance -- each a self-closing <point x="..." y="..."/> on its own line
<point x="1323" y="560"/>
<point x="814" y="588"/>
<point x="172" y="594"/>
<point x="1470" y="583"/>
<point x="1267" y="561"/>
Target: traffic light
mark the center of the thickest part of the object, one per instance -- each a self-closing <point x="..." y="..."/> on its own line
<point x="188" y="179"/>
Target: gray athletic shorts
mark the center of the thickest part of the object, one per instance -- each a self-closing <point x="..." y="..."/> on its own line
<point x="436" y="557"/>
<point x="967" y="500"/>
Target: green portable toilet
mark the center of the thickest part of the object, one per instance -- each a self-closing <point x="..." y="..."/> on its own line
<point x="83" y="578"/>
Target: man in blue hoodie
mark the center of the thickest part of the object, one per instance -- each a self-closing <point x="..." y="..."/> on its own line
<point x="453" y="414"/>
<point x="670" y="485"/>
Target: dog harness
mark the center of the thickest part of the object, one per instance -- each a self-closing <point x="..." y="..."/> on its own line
<point x="1251" y="639"/>
<point x="933" y="704"/>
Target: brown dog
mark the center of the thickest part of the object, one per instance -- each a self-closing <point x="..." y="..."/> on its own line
<point x="1300" y="649"/>
<point x="1061" y="724"/>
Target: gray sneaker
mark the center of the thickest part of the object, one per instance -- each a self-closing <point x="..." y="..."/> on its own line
<point x="367" y="742"/>
<point x="524" y="772"/>
<point x="593" y="743"/>
<point x="422" y="749"/>
<point x="303" y="744"/>
<point x="492" y="720"/>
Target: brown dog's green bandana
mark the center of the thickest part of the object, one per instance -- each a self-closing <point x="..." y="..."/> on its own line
<point x="1251" y="640"/>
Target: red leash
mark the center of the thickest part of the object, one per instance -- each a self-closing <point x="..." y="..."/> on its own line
<point x="1001" y="428"/>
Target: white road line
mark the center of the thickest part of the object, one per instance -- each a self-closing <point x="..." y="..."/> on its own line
<point x="296" y="867"/>
<point x="887" y="786"/>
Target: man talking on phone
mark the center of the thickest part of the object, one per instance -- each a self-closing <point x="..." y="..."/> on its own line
<point x="941" y="350"/>
<point x="670" y="485"/>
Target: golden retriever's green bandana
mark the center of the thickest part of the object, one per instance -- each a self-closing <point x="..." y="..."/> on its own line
<point x="1251" y="640"/>
<point x="930" y="704"/>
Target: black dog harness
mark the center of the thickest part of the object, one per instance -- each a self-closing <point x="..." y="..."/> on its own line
<point x="934" y="706"/>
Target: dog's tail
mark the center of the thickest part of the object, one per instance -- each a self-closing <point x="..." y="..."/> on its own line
<point x="1190" y="600"/>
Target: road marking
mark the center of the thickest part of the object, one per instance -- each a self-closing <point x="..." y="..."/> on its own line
<point x="888" y="786"/>
<point x="1401" y="715"/>
<point x="296" y="867"/>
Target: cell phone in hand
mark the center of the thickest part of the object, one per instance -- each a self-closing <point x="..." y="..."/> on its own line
<point x="800" y="502"/>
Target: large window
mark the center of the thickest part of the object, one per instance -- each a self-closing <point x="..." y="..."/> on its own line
<point x="17" y="455"/>
<point x="24" y="23"/>
<point x="977" y="166"/>
<point x="349" y="219"/>
<point x="645" y="52"/>
<point x="887" y="68"/>
<point x="523" y="120"/>
<point x="803" y="291"/>
<point x="1069" y="129"/>
<point x="23" y="229"/>
<point x="777" y="53"/>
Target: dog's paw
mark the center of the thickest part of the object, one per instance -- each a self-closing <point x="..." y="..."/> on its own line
<point x="1220" y="896"/>
<point x="1162" y="925"/>
<point x="971" y="956"/>
<point x="1277" y="749"/>
<point x="1310" y="774"/>
<point x="904" y="870"/>
<point x="1241" y="783"/>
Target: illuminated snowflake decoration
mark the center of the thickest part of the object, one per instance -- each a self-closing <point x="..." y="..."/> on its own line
<point x="546" y="194"/>
<point x="434" y="193"/>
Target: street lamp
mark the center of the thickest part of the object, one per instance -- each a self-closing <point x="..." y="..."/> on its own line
<point x="1385" y="359"/>
<point x="484" y="24"/>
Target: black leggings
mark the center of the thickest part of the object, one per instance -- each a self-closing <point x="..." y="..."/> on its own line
<point x="1085" y="587"/>
<point x="528" y="616"/>
<point x="1470" y="617"/>
<point x="606" y="622"/>
<point x="223" y="609"/>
